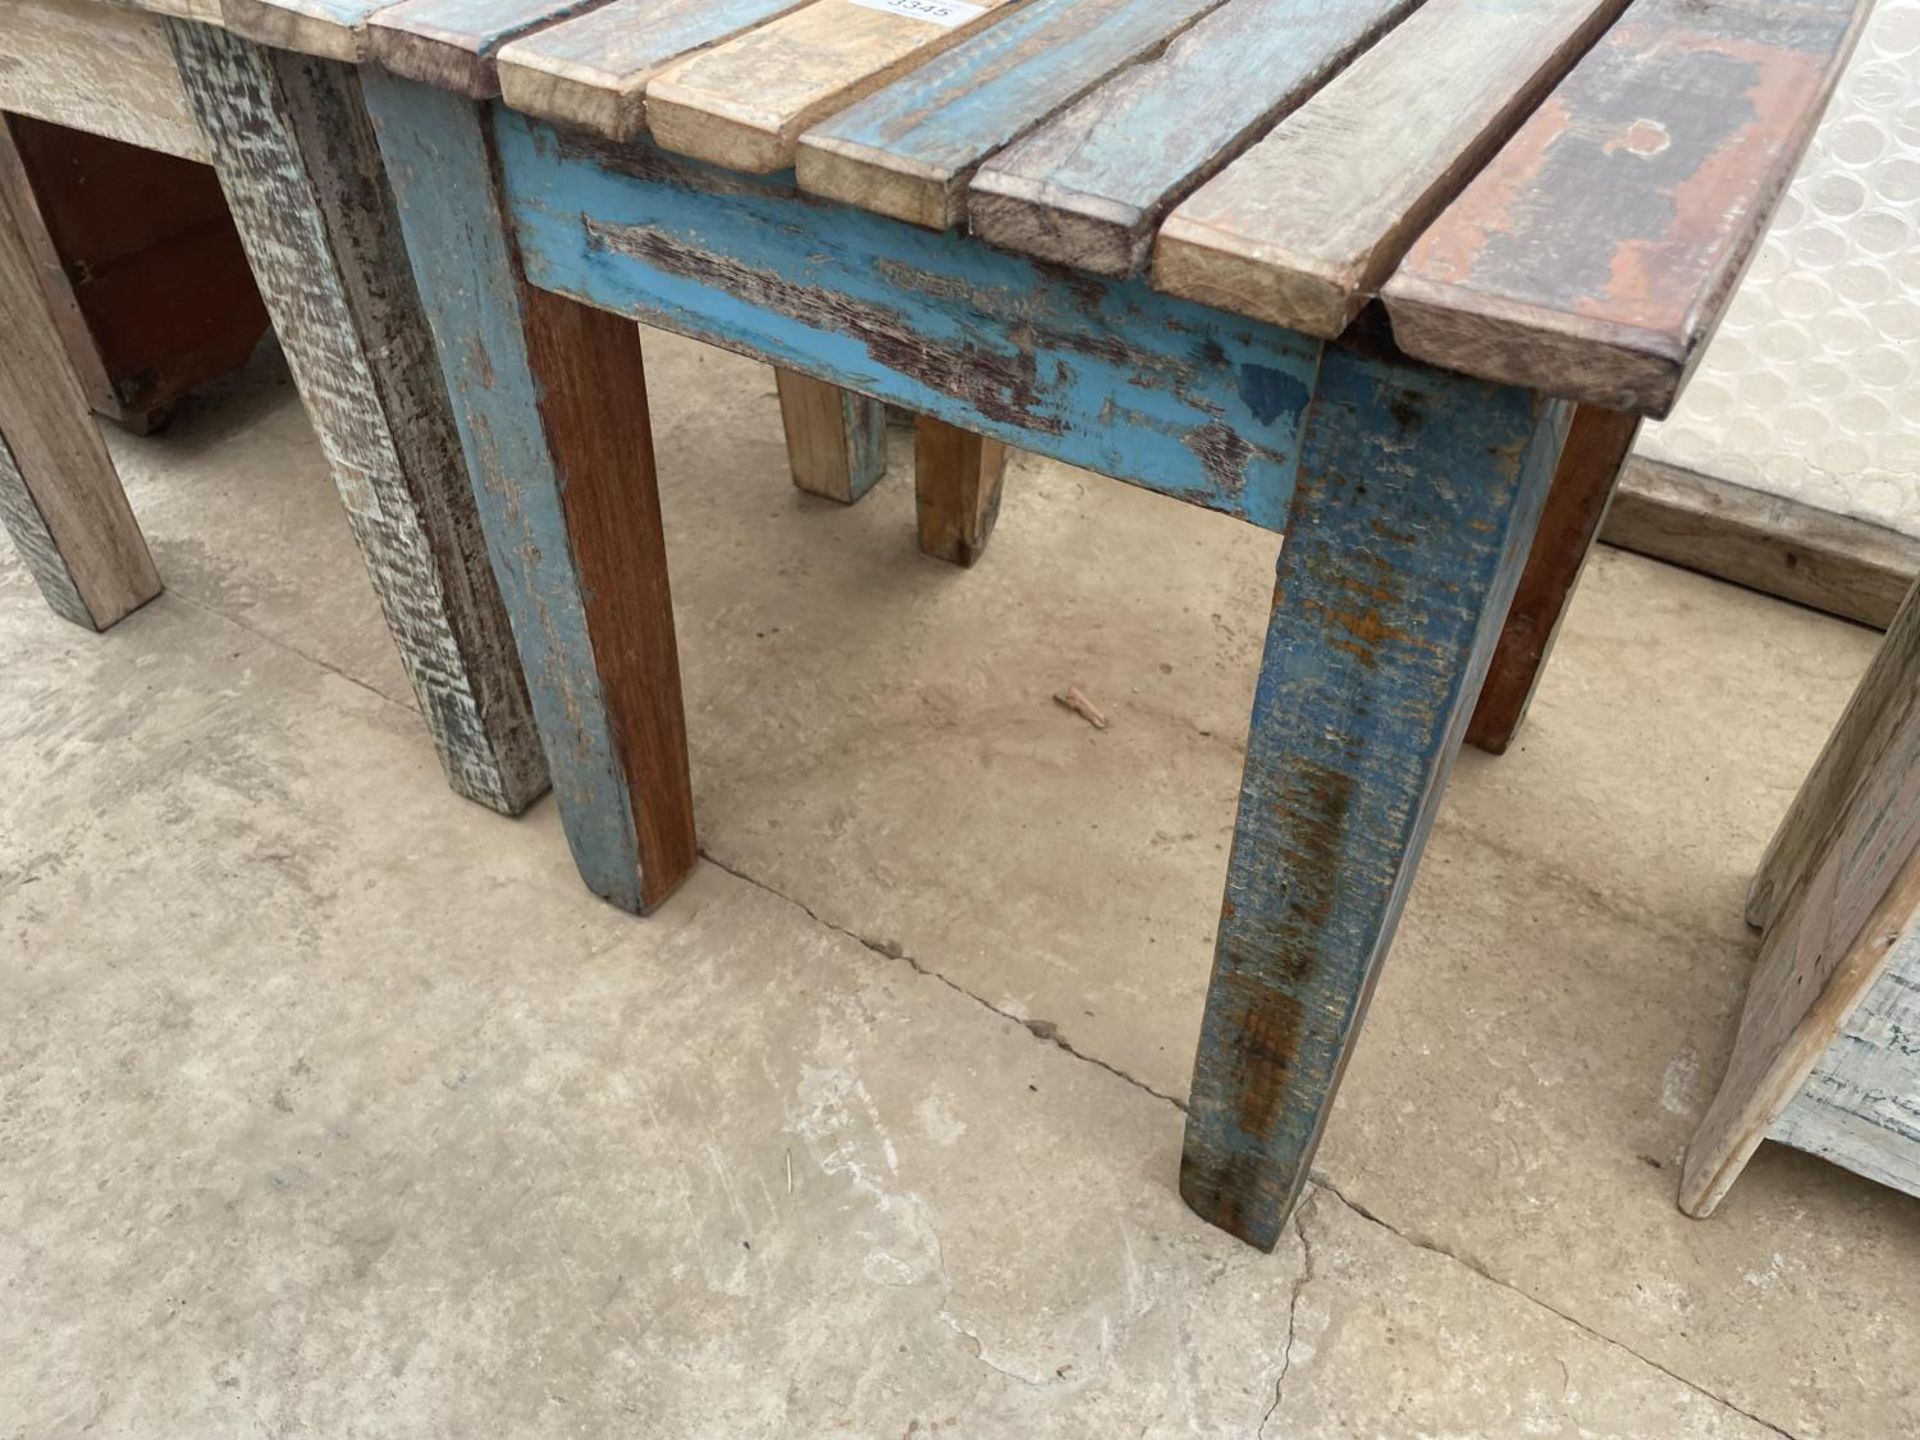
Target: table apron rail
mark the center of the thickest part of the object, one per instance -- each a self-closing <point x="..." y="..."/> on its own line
<point x="1107" y="375"/>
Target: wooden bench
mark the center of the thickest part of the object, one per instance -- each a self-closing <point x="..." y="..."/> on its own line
<point x="1361" y="299"/>
<point x="1828" y="1053"/>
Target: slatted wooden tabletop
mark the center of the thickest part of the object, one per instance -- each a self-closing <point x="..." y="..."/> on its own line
<point x="1555" y="193"/>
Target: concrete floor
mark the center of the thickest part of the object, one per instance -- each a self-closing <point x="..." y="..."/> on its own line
<point x="331" y="1105"/>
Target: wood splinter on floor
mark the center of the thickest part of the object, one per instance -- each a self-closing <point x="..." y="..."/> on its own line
<point x="1074" y="700"/>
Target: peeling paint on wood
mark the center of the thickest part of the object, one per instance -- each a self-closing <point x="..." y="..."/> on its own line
<point x="1185" y="400"/>
<point x="302" y="175"/>
<point x="1417" y="498"/>
<point x="1595" y="255"/>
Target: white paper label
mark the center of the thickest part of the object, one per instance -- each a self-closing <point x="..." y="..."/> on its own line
<point x="940" y="12"/>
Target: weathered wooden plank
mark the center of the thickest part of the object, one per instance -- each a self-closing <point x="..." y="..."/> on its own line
<point x="1881" y="710"/>
<point x="1583" y="484"/>
<point x="1595" y="256"/>
<point x="1107" y="375"/>
<point x="956" y="485"/>
<point x="1766" y="542"/>
<point x="1303" y="228"/>
<point x="1417" y="499"/>
<point x="204" y="12"/>
<point x="451" y="44"/>
<point x="743" y="104"/>
<point x="592" y="71"/>
<point x="60" y="496"/>
<point x="1860" y="1107"/>
<point x="139" y="262"/>
<point x="836" y="440"/>
<point x="302" y="173"/>
<point x="1820" y="961"/>
<point x="909" y="150"/>
<point x="331" y="29"/>
<point x="98" y="68"/>
<point x="442" y="174"/>
<point x="1090" y="187"/>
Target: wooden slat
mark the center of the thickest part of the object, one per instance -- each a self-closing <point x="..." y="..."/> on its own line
<point x="1595" y="256"/>
<point x="910" y="150"/>
<point x="451" y="44"/>
<point x="1089" y="187"/>
<point x="743" y="104"/>
<point x="332" y="29"/>
<point x="592" y="71"/>
<point x="1768" y="543"/>
<point x="201" y="12"/>
<point x="97" y="68"/>
<point x="1302" y="229"/>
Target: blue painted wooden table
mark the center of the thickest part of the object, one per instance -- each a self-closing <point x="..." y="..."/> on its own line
<point x="1179" y="293"/>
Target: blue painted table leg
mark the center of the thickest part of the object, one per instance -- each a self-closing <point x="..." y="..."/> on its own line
<point x="1417" y="497"/>
<point x="551" y="405"/>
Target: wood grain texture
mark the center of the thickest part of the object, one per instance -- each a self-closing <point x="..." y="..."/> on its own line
<point x="956" y="485"/>
<point x="1303" y="228"/>
<point x="593" y="406"/>
<point x="1766" y="542"/>
<point x="836" y="440"/>
<point x="302" y="173"/>
<point x="1090" y="186"/>
<point x="1860" y="1106"/>
<point x="451" y="44"/>
<point x="1416" y="503"/>
<point x="99" y="68"/>
<point x="140" y="263"/>
<point x="743" y="104"/>
<point x="60" y="497"/>
<point x="205" y="12"/>
<point x="1107" y="375"/>
<point x="909" y="150"/>
<point x="1845" y="926"/>
<point x="438" y="162"/>
<point x="330" y="29"/>
<point x="1594" y="257"/>
<point x="1583" y="483"/>
<point x="1878" y="714"/>
<point x="592" y="70"/>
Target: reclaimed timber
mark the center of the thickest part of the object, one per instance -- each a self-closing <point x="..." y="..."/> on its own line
<point x="140" y="264"/>
<point x="1847" y="921"/>
<point x="330" y="29"/>
<point x="60" y="497"/>
<point x="301" y="171"/>
<point x="1595" y="256"/>
<point x="1108" y="375"/>
<point x="744" y="103"/>
<point x="1583" y="483"/>
<point x="560" y="459"/>
<point x="592" y="70"/>
<point x="100" y="68"/>
<point x="1878" y="713"/>
<point x="1303" y="228"/>
<point x="909" y="150"/>
<point x="836" y="440"/>
<point x="206" y="12"/>
<point x="1090" y="187"/>
<point x="451" y="44"/>
<point x="956" y="486"/>
<point x="1768" y="543"/>
<point x="1860" y="1105"/>
<point x="1415" y="505"/>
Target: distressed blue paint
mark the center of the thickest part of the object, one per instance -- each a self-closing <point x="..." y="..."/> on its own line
<point x="1109" y="376"/>
<point x="436" y="157"/>
<point x="482" y="26"/>
<point x="946" y="116"/>
<point x="1418" y="497"/>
